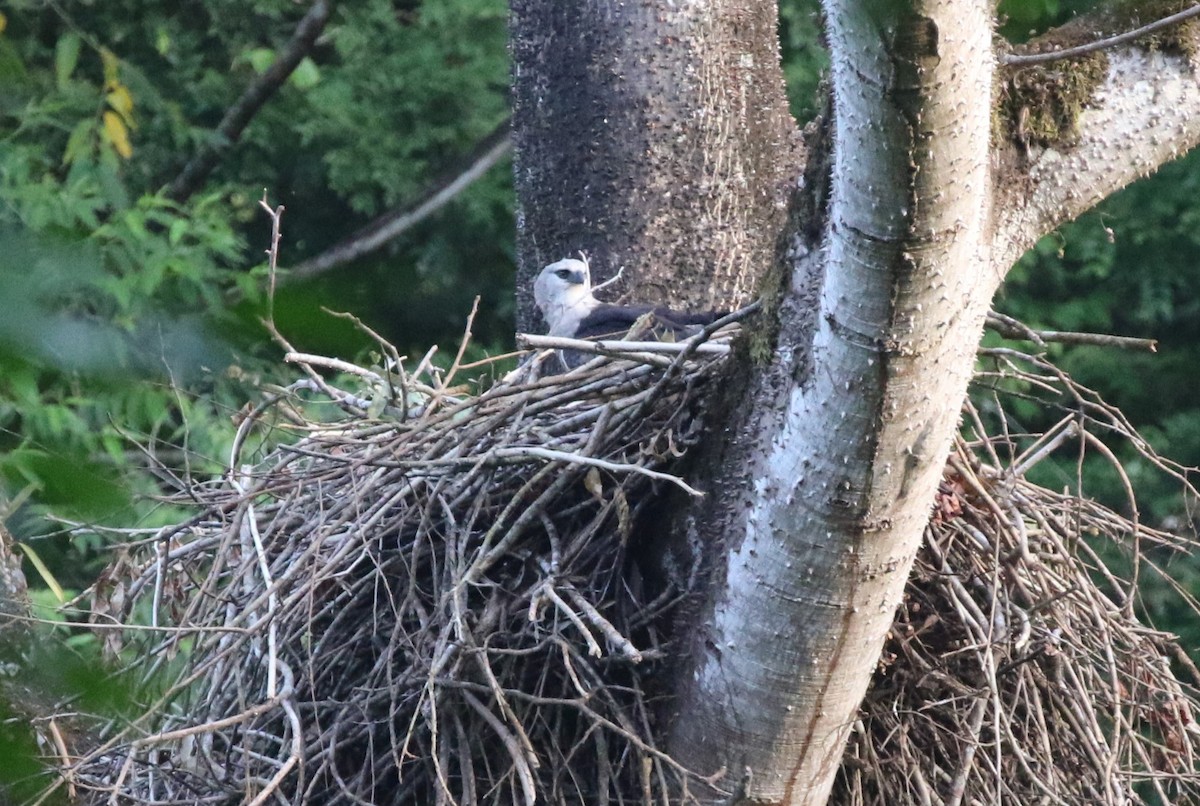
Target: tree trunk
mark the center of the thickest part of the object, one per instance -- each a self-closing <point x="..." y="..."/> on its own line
<point x="651" y="136"/>
<point x="654" y="137"/>
<point x="14" y="594"/>
<point x="820" y="546"/>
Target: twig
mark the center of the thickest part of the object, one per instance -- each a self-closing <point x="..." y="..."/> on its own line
<point x="1010" y="328"/>
<point x="616" y="278"/>
<point x="974" y="724"/>
<point x="462" y="348"/>
<point x="616" y="346"/>
<point x="388" y="351"/>
<point x="230" y="129"/>
<point x="550" y="593"/>
<point x="214" y="725"/>
<point x="240" y="481"/>
<point x="603" y="464"/>
<point x="297" y="740"/>
<point x="610" y="632"/>
<point x="1023" y="59"/>
<point x="528" y="789"/>
<point x="336" y="364"/>
<point x="1053" y="438"/>
<point x="60" y="746"/>
<point x="276" y="215"/>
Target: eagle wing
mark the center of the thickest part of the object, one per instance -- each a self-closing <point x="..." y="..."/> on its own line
<point x="614" y="321"/>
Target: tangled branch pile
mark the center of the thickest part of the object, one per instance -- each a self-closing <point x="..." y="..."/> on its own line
<point x="438" y="604"/>
<point x="433" y="607"/>
<point x="1017" y="671"/>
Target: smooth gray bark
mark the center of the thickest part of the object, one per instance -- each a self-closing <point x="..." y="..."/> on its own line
<point x="1143" y="114"/>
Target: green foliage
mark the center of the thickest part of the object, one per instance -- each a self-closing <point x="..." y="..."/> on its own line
<point x="1021" y="19"/>
<point x="131" y="316"/>
<point x="1129" y="267"/>
<point x="805" y="59"/>
<point x="20" y="768"/>
<point x="429" y="80"/>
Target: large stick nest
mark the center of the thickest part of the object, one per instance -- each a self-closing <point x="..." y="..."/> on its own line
<point x="434" y="598"/>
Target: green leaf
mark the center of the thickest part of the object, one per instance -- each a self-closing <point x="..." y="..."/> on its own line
<point x="260" y="59"/>
<point x="306" y="74"/>
<point x="66" y="56"/>
<point x="176" y="232"/>
<point x="44" y="572"/>
<point x="162" y="41"/>
<point x="112" y="65"/>
<point x="12" y="69"/>
<point x="21" y="774"/>
<point x="81" y="140"/>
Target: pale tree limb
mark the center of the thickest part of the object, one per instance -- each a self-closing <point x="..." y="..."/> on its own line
<point x="848" y="458"/>
<point x="1144" y="111"/>
<point x="394" y="223"/>
<point x="230" y="129"/>
<point x="618" y="346"/>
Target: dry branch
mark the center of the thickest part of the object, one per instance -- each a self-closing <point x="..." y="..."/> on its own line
<point x="1026" y="59"/>
<point x="1010" y="328"/>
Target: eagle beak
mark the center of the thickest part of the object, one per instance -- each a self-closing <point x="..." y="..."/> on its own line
<point x="577" y="278"/>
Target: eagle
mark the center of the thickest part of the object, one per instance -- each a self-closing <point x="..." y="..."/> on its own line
<point x="563" y="293"/>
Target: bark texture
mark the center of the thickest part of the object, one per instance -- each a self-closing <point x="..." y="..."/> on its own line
<point x="14" y="593"/>
<point x="655" y="137"/>
<point x="1140" y="110"/>
<point x="847" y="462"/>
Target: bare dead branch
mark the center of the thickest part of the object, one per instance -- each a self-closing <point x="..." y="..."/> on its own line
<point x="1010" y="328"/>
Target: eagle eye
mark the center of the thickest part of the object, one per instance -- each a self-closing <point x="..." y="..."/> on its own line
<point x="563" y="274"/>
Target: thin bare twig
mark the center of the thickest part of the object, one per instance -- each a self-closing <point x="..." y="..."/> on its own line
<point x="276" y="215"/>
<point x="1010" y="328"/>
<point x="1024" y="59"/>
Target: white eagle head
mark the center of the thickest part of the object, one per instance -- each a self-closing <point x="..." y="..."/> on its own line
<point x="563" y="293"/>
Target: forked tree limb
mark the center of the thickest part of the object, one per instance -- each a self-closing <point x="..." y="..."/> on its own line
<point x="230" y="129"/>
<point x="1011" y="328"/>
<point x="1143" y="106"/>
<point x="847" y="457"/>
